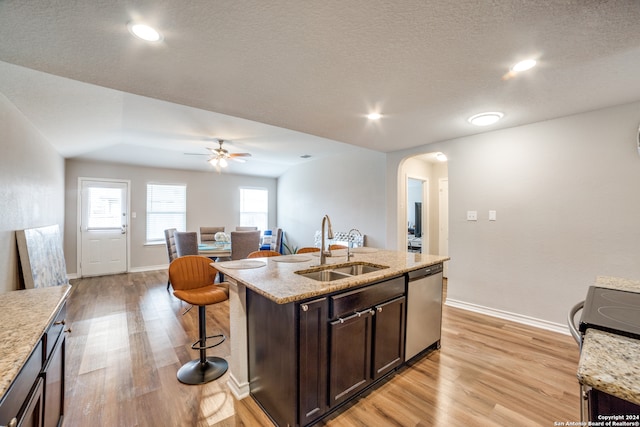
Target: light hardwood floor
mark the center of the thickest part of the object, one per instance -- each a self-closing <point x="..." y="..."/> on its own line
<point x="129" y="337"/>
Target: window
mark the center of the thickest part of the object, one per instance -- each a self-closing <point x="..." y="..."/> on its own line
<point x="105" y="208"/>
<point x="166" y="208"/>
<point x="254" y="207"/>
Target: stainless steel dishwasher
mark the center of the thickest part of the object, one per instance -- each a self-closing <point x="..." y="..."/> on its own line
<point x="424" y="310"/>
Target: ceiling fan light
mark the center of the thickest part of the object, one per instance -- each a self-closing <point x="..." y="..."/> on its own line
<point x="222" y="162"/>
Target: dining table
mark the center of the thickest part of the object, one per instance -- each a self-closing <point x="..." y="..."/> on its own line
<point x="215" y="249"/>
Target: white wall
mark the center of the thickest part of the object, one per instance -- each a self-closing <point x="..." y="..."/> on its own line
<point x="349" y="188"/>
<point x="31" y="186"/>
<point x="212" y="200"/>
<point x="567" y="196"/>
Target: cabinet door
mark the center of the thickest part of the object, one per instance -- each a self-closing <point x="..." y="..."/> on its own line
<point x="388" y="336"/>
<point x="54" y="384"/>
<point x="32" y="414"/>
<point x="312" y="397"/>
<point x="350" y="356"/>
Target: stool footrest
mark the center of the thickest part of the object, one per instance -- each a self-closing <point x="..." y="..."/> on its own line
<point x="198" y="344"/>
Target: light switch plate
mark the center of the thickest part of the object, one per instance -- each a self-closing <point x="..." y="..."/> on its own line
<point x="472" y="215"/>
<point x="492" y="215"/>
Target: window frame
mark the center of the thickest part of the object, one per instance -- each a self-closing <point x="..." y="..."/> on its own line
<point x="244" y="213"/>
<point x="180" y="225"/>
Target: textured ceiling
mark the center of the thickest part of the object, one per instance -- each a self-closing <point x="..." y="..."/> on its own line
<point x="315" y="68"/>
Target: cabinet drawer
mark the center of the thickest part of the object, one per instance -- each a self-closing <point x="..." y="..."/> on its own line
<point x="22" y="385"/>
<point x="359" y="299"/>
<point x="54" y="331"/>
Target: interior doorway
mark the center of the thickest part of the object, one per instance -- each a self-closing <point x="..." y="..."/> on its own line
<point x="424" y="176"/>
<point x="103" y="213"/>
<point x="417" y="219"/>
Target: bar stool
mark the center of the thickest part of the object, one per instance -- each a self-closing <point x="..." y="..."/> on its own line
<point x="192" y="278"/>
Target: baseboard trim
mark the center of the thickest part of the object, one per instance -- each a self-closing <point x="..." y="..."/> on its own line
<point x="240" y="391"/>
<point x="148" y="268"/>
<point x="507" y="315"/>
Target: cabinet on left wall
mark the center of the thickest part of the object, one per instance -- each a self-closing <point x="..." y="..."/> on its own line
<point x="32" y="357"/>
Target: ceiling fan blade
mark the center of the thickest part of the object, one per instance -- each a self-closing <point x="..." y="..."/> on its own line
<point x="237" y="159"/>
<point x="239" y="155"/>
<point x="197" y="154"/>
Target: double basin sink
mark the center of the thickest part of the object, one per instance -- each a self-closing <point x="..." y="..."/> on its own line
<point x="328" y="273"/>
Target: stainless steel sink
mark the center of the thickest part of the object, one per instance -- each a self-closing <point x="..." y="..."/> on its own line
<point x="356" y="269"/>
<point x="325" y="275"/>
<point x="328" y="273"/>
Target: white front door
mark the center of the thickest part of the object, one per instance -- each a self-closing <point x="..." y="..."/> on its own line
<point x="103" y="227"/>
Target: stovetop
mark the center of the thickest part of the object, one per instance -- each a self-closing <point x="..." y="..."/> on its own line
<point x="612" y="310"/>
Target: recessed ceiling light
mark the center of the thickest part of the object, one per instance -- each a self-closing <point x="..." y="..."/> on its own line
<point x="374" y="116"/>
<point x="524" y="65"/>
<point x="144" y="32"/>
<point x="485" y="119"/>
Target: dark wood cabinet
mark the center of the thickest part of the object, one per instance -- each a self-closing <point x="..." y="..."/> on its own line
<point x="307" y="358"/>
<point x="388" y="338"/>
<point x="350" y="359"/>
<point x="603" y="404"/>
<point x="53" y="375"/>
<point x="32" y="413"/>
<point x="312" y="396"/>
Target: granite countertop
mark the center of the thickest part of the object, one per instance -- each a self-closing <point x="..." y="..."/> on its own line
<point x="611" y="362"/>
<point x="26" y="315"/>
<point x="277" y="280"/>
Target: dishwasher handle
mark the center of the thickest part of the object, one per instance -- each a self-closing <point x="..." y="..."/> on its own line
<point x="424" y="272"/>
<point x="572" y="322"/>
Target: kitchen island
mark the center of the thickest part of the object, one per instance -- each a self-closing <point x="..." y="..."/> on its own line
<point x="609" y="367"/>
<point x="302" y="347"/>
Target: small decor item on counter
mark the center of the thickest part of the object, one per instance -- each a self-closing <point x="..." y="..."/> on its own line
<point x="221" y="236"/>
<point x="267" y="241"/>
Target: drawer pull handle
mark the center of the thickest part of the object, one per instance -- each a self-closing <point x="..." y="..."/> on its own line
<point x="305" y="307"/>
<point x="68" y="330"/>
<point x="379" y="309"/>
<point x="13" y="422"/>
<point x="60" y="322"/>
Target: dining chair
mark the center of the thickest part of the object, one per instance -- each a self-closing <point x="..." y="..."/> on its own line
<point x="335" y="247"/>
<point x="243" y="243"/>
<point x="208" y="234"/>
<point x="171" y="248"/>
<point x="242" y="228"/>
<point x="192" y="277"/>
<point x="307" y="249"/>
<point x="263" y="253"/>
<point x="186" y="243"/>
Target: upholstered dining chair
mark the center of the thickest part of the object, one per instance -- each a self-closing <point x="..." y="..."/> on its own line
<point x="186" y="243"/>
<point x="171" y="248"/>
<point x="243" y="243"/>
<point x="208" y="234"/>
<point x="307" y="249"/>
<point x="192" y="277"/>
<point x="335" y="247"/>
<point x="263" y="253"/>
<point x="242" y="228"/>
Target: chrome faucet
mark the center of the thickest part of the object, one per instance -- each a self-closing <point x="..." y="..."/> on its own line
<point x="349" y="241"/>
<point x="323" y="253"/>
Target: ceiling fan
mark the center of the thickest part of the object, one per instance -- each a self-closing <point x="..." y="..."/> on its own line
<point x="220" y="155"/>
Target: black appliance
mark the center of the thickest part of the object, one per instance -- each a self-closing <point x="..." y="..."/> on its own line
<point x="612" y="310"/>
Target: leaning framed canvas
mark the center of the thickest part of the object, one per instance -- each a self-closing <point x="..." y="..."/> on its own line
<point x="41" y="257"/>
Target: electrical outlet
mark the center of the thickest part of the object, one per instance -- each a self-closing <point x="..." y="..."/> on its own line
<point x="492" y="215"/>
<point x="472" y="215"/>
